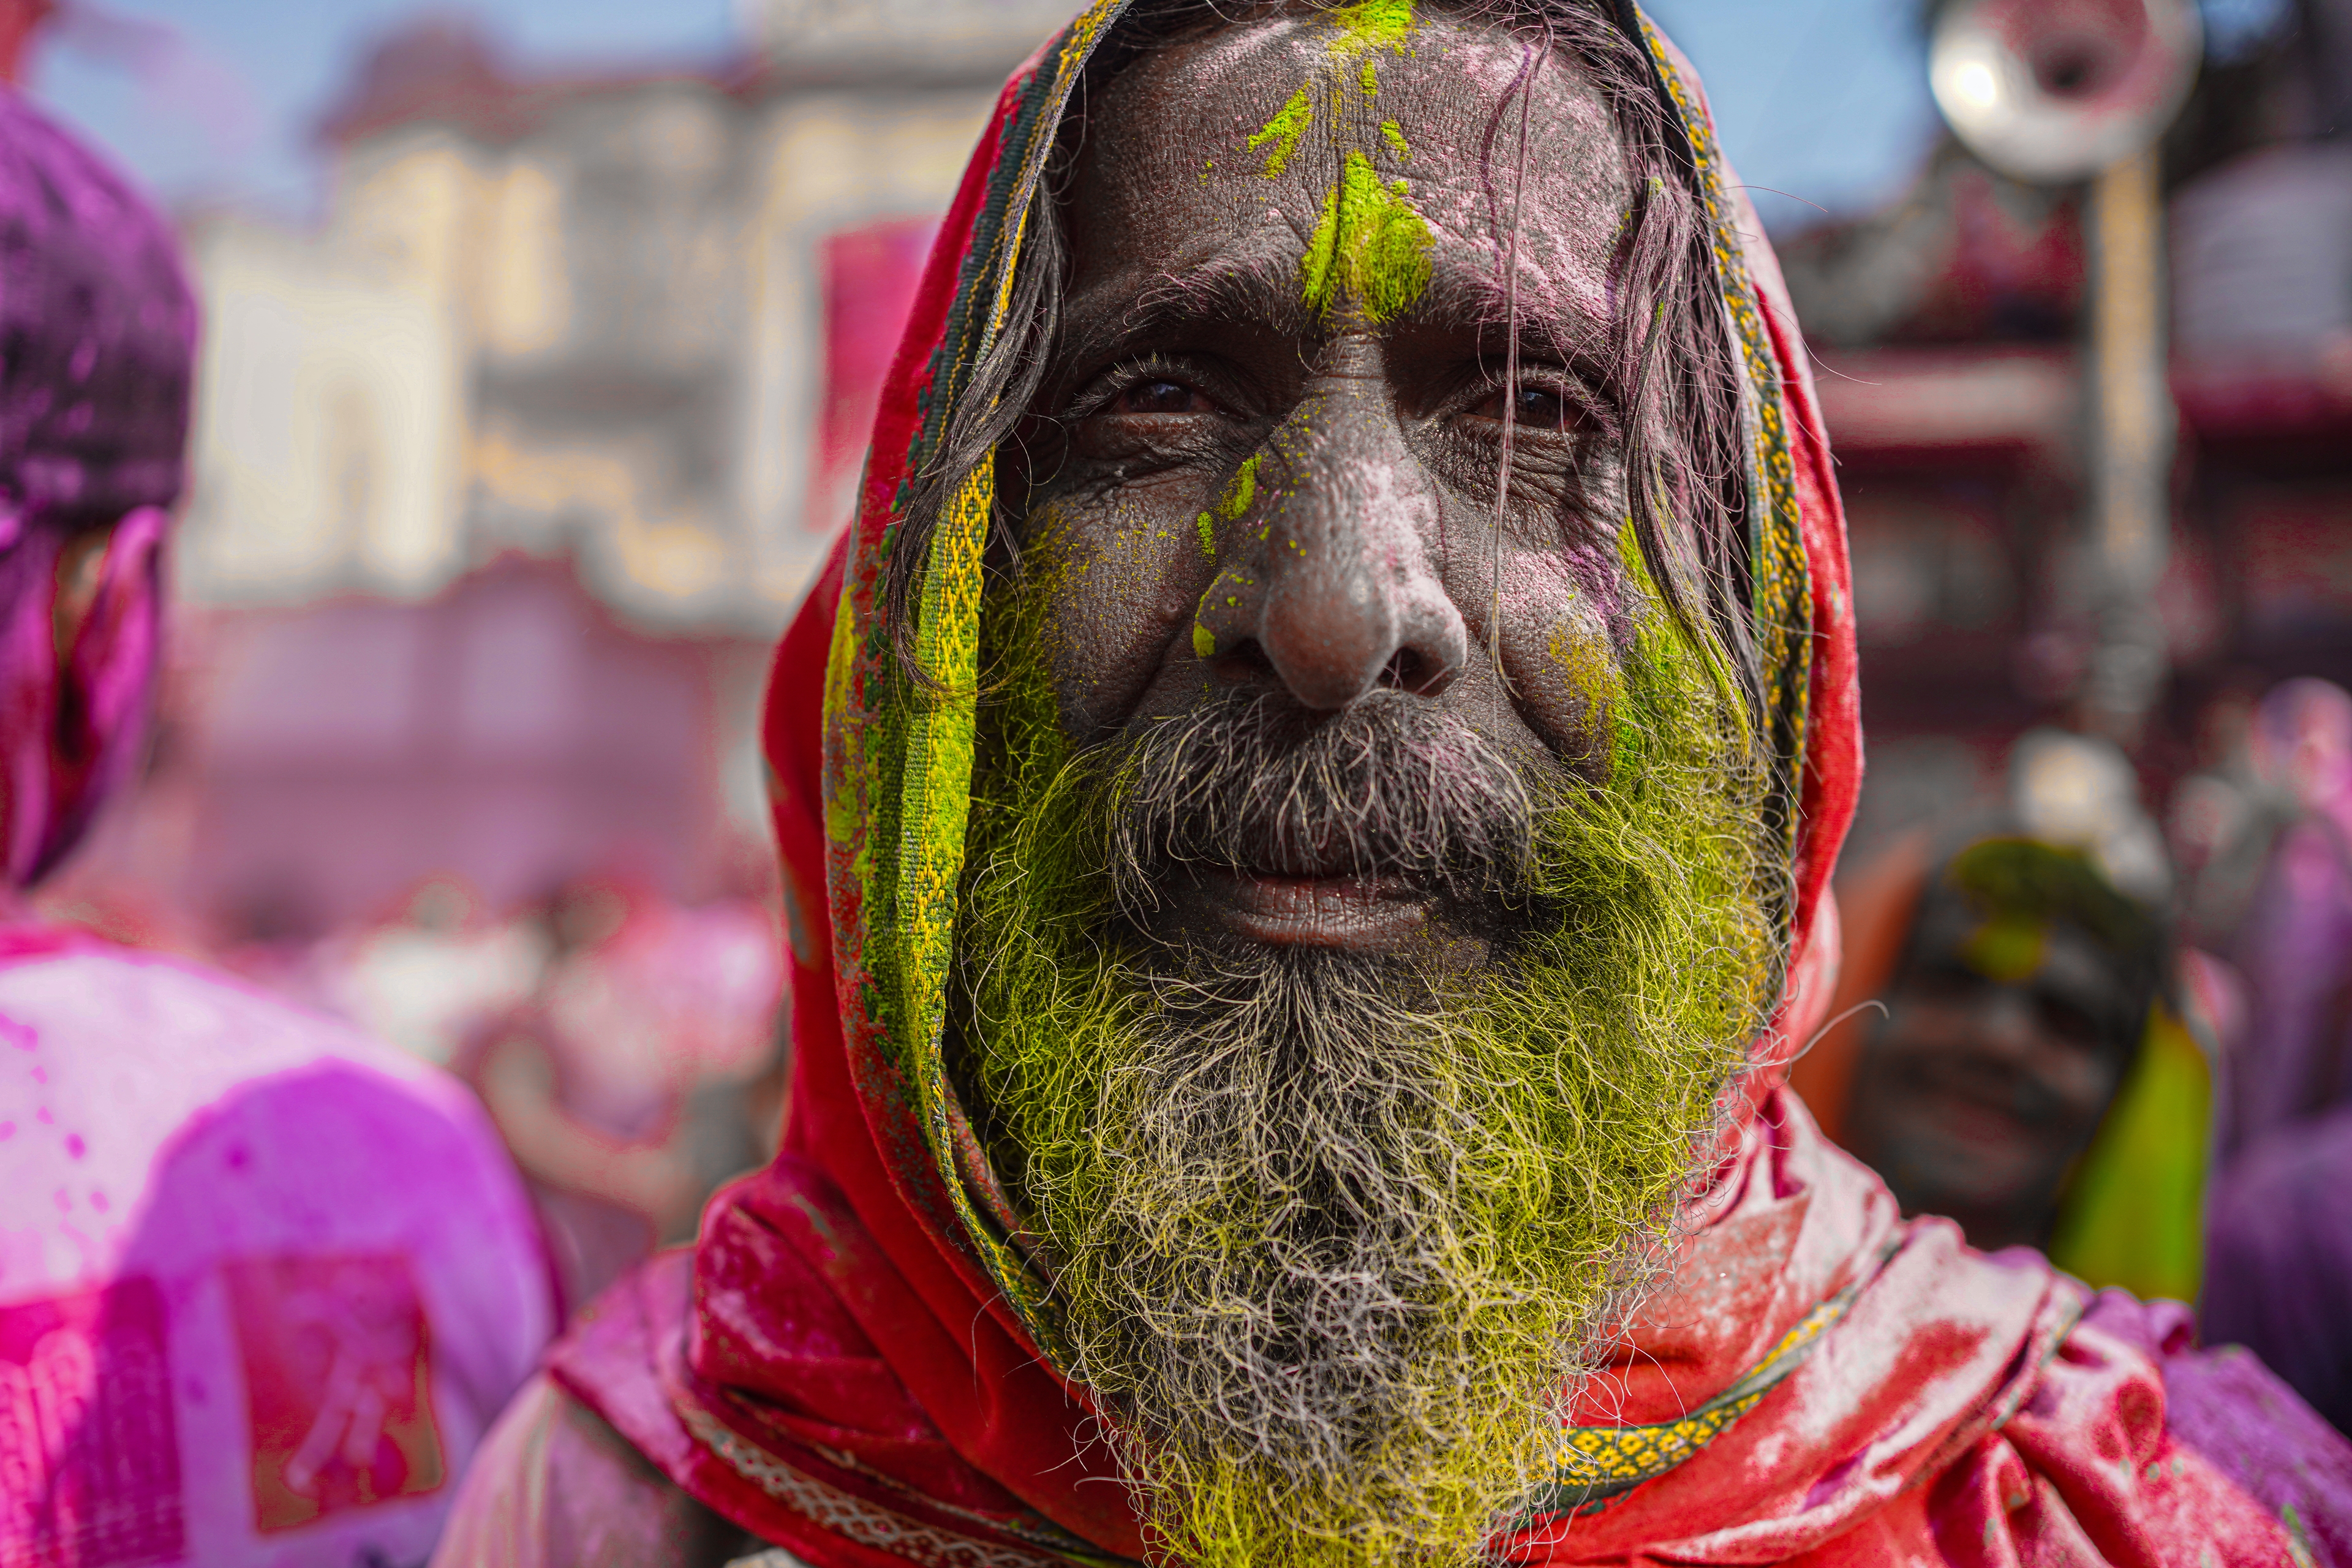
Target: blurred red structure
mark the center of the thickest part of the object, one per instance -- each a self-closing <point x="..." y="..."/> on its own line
<point x="19" y="19"/>
<point x="870" y="275"/>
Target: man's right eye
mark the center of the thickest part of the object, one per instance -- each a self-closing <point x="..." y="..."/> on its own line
<point x="1156" y="395"/>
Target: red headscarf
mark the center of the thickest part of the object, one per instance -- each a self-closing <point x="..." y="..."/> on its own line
<point x="853" y="1364"/>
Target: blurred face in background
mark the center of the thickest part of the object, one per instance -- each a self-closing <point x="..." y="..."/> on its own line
<point x="2006" y="1038"/>
<point x="2302" y="742"/>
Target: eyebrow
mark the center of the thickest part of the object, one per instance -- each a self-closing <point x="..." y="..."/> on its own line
<point x="1263" y="292"/>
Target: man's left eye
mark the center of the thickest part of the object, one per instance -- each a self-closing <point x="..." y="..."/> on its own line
<point x="1535" y="408"/>
<point x="1160" y="396"/>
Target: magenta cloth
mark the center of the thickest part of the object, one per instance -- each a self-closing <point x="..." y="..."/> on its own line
<point x="264" y="1284"/>
<point x="98" y="331"/>
<point x="2295" y="950"/>
<point x="2279" y="1251"/>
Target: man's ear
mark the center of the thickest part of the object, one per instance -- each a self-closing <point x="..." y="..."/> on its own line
<point x="109" y="625"/>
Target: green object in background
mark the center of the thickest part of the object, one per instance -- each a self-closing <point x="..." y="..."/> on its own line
<point x="2133" y="1213"/>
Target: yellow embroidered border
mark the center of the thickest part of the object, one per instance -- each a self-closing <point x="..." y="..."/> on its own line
<point x="1596" y="1464"/>
<point x="1780" y="598"/>
<point x="936" y="798"/>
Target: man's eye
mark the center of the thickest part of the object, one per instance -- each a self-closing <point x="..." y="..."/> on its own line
<point x="1158" y="396"/>
<point x="1535" y="408"/>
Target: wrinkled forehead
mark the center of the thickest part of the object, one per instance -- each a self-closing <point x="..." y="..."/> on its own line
<point x="1224" y="143"/>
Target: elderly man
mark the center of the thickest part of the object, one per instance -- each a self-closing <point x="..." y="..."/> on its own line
<point x="1307" y="796"/>
<point x="263" y="1284"/>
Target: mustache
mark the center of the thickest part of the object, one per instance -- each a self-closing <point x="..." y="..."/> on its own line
<point x="1390" y="786"/>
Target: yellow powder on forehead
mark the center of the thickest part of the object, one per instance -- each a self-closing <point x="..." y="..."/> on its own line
<point x="1369" y="253"/>
<point x="1289" y="123"/>
<point x="1369" y="257"/>
<point x="1369" y="25"/>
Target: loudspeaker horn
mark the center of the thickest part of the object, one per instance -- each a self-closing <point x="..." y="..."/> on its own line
<point x="2051" y="91"/>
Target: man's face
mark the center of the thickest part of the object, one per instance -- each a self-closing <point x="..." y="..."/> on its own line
<point x="2003" y="1045"/>
<point x="1279" y="436"/>
<point x="1363" y="913"/>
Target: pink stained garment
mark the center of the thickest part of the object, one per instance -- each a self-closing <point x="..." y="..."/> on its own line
<point x="264" y="1283"/>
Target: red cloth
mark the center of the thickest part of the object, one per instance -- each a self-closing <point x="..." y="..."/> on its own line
<point x="834" y="1371"/>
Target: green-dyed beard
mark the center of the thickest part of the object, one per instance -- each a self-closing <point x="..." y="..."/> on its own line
<point x="1332" y="1233"/>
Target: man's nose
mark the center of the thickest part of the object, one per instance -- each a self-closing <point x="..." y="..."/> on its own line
<point x="1332" y="580"/>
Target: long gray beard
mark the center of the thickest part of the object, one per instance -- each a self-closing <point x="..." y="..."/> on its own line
<point x="1334" y="1231"/>
<point x="1303" y="1107"/>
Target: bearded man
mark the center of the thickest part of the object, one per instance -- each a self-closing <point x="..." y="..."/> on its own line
<point x="1308" y="854"/>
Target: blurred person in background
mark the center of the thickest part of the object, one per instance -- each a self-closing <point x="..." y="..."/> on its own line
<point x="2025" y="1070"/>
<point x="427" y="978"/>
<point x="644" y="1069"/>
<point x="2279" y="1251"/>
<point x="264" y="1282"/>
<point x="2274" y="897"/>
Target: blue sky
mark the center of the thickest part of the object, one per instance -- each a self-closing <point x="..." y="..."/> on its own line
<point x="1823" y="101"/>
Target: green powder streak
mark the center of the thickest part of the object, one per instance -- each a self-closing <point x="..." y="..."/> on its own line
<point x="1289" y="124"/>
<point x="1370" y="25"/>
<point x="1393" y="134"/>
<point x="1243" y="491"/>
<point x="1359" y="30"/>
<point x="1240" y="491"/>
<point x="1369" y="253"/>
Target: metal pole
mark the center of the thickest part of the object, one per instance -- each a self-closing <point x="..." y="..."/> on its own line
<point x="2132" y="430"/>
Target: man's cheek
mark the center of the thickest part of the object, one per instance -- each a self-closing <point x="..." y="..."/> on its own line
<point x="1119" y="579"/>
<point x="1563" y="668"/>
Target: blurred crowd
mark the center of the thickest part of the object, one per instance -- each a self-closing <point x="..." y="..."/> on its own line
<point x="630" y="1051"/>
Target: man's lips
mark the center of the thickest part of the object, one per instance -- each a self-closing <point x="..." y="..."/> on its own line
<point x="1371" y="914"/>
